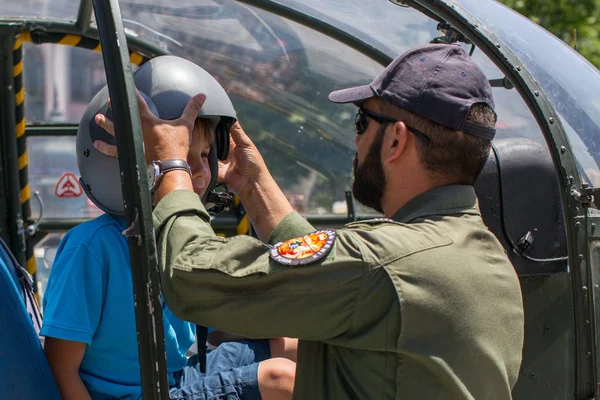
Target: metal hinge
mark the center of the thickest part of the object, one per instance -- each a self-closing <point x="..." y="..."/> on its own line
<point x="586" y="195"/>
<point x="133" y="230"/>
<point x="401" y="3"/>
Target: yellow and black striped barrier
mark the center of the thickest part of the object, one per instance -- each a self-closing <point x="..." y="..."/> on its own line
<point x="83" y="42"/>
<point x="243" y="223"/>
<point x="25" y="194"/>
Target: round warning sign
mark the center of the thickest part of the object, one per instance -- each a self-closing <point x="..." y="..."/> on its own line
<point x="305" y="249"/>
<point x="68" y="186"/>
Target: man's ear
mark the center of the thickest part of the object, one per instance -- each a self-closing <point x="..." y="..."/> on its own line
<point x="395" y="143"/>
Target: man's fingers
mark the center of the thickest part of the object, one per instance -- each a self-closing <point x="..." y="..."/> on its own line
<point x="109" y="127"/>
<point x="106" y="148"/>
<point x="105" y="123"/>
<point x="239" y="136"/>
<point x="222" y="171"/>
<point x="190" y="113"/>
<point x="143" y="106"/>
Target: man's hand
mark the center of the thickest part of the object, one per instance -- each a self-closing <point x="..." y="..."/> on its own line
<point x="244" y="164"/>
<point x="245" y="173"/>
<point x="163" y="139"/>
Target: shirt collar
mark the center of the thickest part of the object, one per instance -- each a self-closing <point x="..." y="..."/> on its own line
<point x="119" y="220"/>
<point x="451" y="199"/>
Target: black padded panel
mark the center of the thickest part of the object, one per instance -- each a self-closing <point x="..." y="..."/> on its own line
<point x="526" y="195"/>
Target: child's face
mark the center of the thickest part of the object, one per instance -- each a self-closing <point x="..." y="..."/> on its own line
<point x="198" y="157"/>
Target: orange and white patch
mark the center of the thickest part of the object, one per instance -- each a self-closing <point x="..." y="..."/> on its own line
<point x="305" y="249"/>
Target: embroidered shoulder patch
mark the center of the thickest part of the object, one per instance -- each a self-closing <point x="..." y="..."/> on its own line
<point x="305" y="249"/>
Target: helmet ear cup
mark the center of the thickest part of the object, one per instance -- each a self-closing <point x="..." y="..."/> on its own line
<point x="213" y="164"/>
<point x="222" y="137"/>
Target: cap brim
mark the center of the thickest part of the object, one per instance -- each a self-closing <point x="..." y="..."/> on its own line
<point x="356" y="94"/>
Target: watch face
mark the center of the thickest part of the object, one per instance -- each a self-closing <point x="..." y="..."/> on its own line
<point x="151" y="168"/>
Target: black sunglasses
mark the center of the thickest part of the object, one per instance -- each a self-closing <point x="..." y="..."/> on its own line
<point x="361" y="122"/>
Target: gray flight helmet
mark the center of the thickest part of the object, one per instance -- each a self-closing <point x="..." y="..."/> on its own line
<point x="166" y="83"/>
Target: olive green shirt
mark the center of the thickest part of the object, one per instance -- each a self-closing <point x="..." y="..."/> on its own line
<point x="425" y="305"/>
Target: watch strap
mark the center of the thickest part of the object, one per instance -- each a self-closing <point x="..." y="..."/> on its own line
<point x="161" y="167"/>
<point x="165" y="166"/>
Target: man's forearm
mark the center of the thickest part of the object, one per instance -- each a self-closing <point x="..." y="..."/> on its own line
<point x="264" y="201"/>
<point x="265" y="204"/>
<point x="174" y="180"/>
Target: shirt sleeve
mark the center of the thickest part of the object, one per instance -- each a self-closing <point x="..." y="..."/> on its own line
<point x="231" y="284"/>
<point x="293" y="225"/>
<point x="74" y="296"/>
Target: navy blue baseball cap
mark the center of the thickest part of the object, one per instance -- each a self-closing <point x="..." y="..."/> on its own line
<point x="439" y="82"/>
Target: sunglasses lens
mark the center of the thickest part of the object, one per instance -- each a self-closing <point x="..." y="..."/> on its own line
<point x="360" y="122"/>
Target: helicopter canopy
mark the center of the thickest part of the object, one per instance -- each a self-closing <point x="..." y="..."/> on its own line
<point x="280" y="65"/>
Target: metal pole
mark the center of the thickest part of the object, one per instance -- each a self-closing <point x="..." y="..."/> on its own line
<point x="16" y="231"/>
<point x="21" y="136"/>
<point x="136" y="197"/>
<point x="84" y="16"/>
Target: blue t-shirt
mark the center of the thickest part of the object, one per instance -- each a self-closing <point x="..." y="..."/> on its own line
<point x="89" y="299"/>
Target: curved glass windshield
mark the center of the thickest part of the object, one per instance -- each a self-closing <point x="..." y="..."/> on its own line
<point x="53" y="174"/>
<point x="278" y="74"/>
<point x="514" y="118"/>
<point x="59" y="81"/>
<point x="387" y="27"/>
<point x="570" y="81"/>
<point x="47" y="9"/>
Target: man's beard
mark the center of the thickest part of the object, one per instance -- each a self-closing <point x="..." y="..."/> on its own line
<point x="369" y="179"/>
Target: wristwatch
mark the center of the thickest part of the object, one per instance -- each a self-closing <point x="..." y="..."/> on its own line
<point x="156" y="170"/>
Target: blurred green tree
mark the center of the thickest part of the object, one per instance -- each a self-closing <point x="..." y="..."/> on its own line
<point x="576" y="22"/>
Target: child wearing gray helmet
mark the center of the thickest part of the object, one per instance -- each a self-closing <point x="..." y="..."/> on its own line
<point x="89" y="323"/>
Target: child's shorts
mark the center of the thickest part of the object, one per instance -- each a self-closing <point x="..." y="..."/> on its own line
<point x="231" y="373"/>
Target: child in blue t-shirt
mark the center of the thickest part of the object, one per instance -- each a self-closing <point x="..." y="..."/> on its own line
<point x="90" y="329"/>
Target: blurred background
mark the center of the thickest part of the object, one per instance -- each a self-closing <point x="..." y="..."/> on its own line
<point x="576" y="22"/>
